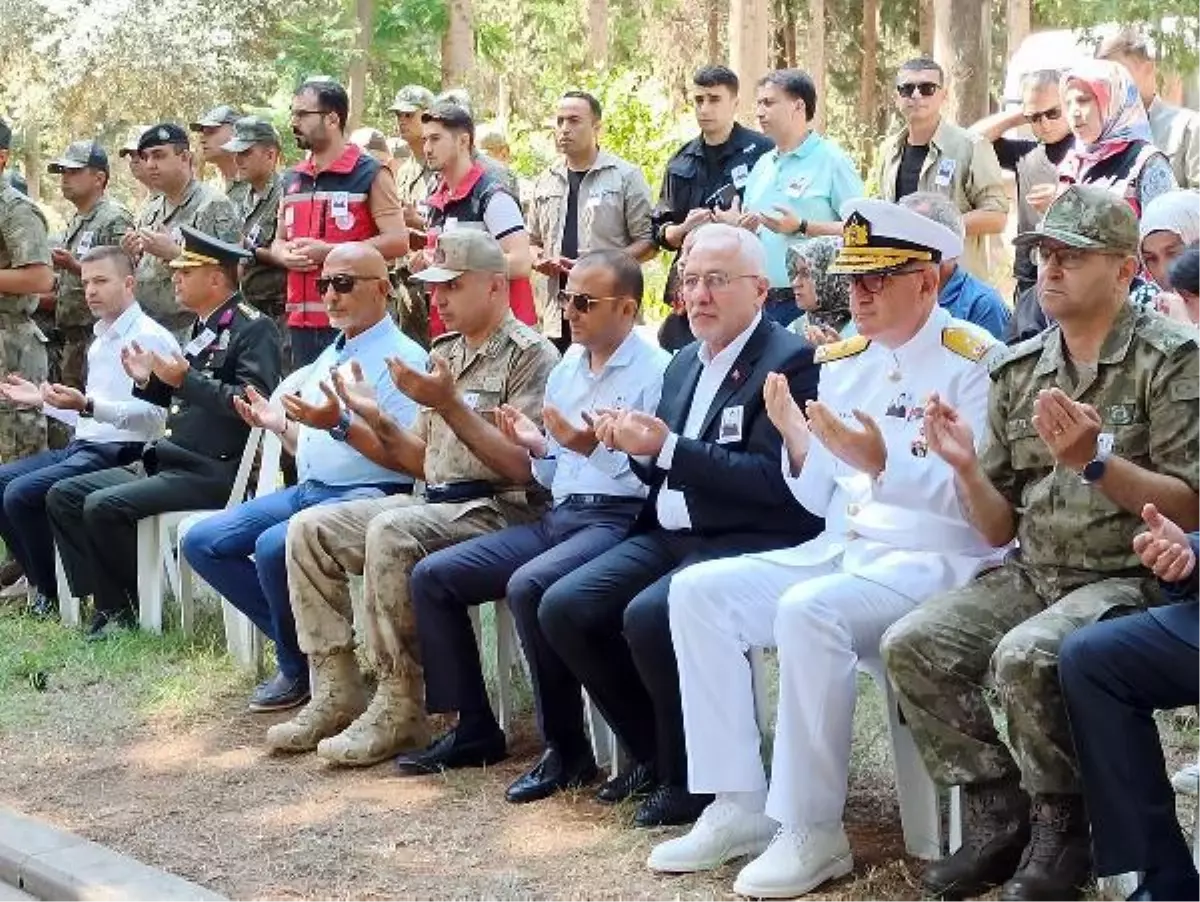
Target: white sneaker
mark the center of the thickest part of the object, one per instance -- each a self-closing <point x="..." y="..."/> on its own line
<point x="796" y="862"/>
<point x="723" y="831"/>
<point x="1186" y="780"/>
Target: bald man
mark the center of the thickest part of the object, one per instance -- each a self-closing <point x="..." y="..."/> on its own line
<point x="240" y="552"/>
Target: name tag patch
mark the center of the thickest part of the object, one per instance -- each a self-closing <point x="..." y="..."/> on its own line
<point x="731" y="425"/>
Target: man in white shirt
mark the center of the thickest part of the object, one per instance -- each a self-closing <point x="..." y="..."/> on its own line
<point x="596" y="498"/>
<point x="111" y="426"/>
<point x="894" y="535"/>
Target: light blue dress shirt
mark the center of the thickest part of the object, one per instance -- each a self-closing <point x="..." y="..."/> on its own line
<point x="632" y="378"/>
<point x="322" y="458"/>
<point x="812" y="180"/>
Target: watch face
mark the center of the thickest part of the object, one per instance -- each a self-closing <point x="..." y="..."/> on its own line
<point x="1093" y="471"/>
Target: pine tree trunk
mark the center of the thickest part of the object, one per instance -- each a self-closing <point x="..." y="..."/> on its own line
<point x="961" y="45"/>
<point x="364" y="18"/>
<point x="714" y="31"/>
<point x="597" y="23"/>
<point x="749" y="48"/>
<point x="926" y="26"/>
<point x="870" y="59"/>
<point x="458" y="45"/>
<point x="815" y="57"/>
<point x="1018" y="24"/>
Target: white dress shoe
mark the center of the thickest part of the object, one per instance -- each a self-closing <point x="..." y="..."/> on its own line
<point x="1186" y="780"/>
<point x="796" y="862"/>
<point x="722" y="832"/>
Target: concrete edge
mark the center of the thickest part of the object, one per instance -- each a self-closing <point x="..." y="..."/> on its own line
<point x="49" y="863"/>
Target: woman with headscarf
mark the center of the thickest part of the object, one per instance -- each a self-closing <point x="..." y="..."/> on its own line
<point x="823" y="298"/>
<point x="1113" y="147"/>
<point x="1169" y="224"/>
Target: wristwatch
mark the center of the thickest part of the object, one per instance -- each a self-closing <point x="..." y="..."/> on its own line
<point x="89" y="407"/>
<point x="339" y="432"/>
<point x="802" y="229"/>
<point x="1094" y="470"/>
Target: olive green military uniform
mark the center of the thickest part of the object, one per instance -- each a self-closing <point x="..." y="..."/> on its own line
<point x="383" y="539"/>
<point x="412" y="307"/>
<point x="1075" y="563"/>
<point x="203" y="208"/>
<point x="23" y="242"/>
<point x="264" y="286"/>
<point x="105" y="224"/>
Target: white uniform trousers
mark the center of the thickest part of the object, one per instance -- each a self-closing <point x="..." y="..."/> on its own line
<point x="822" y="621"/>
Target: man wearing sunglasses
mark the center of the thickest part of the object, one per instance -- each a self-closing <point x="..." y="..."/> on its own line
<point x="242" y="552"/>
<point x="932" y="154"/>
<point x="1035" y="163"/>
<point x="596" y="498"/>
<point x="1087" y="423"/>
<point x="476" y="482"/>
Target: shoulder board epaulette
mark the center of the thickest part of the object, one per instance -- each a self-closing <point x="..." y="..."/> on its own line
<point x="839" y="350"/>
<point x="969" y="343"/>
<point x="444" y="338"/>
<point x="248" y="311"/>
<point x="524" y="337"/>
<point x="1162" y="333"/>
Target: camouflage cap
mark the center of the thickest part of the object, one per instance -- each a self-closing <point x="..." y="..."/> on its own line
<point x="249" y="131"/>
<point x="218" y="115"/>
<point x="1088" y="218"/>
<point x="130" y="146"/>
<point x="80" y="155"/>
<point x="459" y="97"/>
<point x="464" y="250"/>
<point x="412" y="99"/>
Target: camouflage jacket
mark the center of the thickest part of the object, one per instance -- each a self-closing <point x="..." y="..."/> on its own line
<point x="105" y="224"/>
<point x="23" y="242"/>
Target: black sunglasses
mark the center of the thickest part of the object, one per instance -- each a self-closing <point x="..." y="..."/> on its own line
<point x="927" y="88"/>
<point x="1051" y="115"/>
<point x="342" y="283"/>
<point x="580" y="300"/>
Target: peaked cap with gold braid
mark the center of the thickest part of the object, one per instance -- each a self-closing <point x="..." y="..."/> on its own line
<point x="879" y="237"/>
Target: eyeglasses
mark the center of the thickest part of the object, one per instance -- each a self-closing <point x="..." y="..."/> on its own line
<point x="580" y="300"/>
<point x="801" y="274"/>
<point x="926" y="88"/>
<point x="342" y="283"/>
<point x="1064" y="257"/>
<point x="300" y="114"/>
<point x="873" y="282"/>
<point x="1051" y="115"/>
<point x="713" y="281"/>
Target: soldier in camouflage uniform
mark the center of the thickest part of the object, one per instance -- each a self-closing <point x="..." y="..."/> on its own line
<point x="1088" y="421"/>
<point x="216" y="130"/>
<point x="98" y="220"/>
<point x="184" y="200"/>
<point x="256" y="147"/>
<point x="413" y="183"/>
<point x="24" y="274"/>
<point x="475" y="484"/>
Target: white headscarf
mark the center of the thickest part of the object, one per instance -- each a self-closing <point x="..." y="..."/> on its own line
<point x="1176" y="211"/>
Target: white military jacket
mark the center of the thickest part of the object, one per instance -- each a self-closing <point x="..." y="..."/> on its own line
<point x="905" y="530"/>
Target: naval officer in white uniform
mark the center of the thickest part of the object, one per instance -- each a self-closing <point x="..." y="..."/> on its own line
<point x="895" y="535"/>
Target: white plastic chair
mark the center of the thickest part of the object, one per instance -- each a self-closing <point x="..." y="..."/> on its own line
<point x="920" y="807"/>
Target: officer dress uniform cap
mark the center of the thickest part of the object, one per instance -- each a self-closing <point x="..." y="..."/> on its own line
<point x="1088" y="218"/>
<point x="130" y="146"/>
<point x="880" y="237"/>
<point x="218" y="115"/>
<point x="249" y="131"/>
<point x="464" y="250"/>
<point x="163" y="133"/>
<point x="412" y="98"/>
<point x="80" y="155"/>
<point x="200" y="249"/>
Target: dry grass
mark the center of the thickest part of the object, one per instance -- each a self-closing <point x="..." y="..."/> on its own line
<point x="144" y="745"/>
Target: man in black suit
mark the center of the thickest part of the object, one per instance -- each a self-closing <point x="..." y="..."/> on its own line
<point x="94" y="517"/>
<point x="1114" y="675"/>
<point x="711" y="458"/>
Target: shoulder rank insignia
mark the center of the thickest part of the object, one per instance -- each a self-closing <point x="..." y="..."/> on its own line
<point x="841" y="349"/>
<point x="444" y="338"/>
<point x="248" y="311"/>
<point x="967" y="343"/>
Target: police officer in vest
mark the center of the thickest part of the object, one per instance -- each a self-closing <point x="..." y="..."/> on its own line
<point x="232" y="347"/>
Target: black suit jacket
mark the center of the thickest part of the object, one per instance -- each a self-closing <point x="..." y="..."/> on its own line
<point x="735" y="486"/>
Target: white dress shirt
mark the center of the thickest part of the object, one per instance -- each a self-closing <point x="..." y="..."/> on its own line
<point x="631" y="379"/>
<point x="119" y="416"/>
<point x="672" y="505"/>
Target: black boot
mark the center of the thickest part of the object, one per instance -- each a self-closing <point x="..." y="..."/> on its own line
<point x="1057" y="863"/>
<point x="995" y="831"/>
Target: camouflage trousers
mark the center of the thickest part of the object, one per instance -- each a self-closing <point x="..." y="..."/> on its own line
<point x="1000" y="625"/>
<point x="22" y="432"/>
<point x="382" y="539"/>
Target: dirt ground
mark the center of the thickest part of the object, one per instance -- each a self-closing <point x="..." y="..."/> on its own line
<point x="144" y="745"/>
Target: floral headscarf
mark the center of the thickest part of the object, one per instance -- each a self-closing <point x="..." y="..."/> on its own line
<point x="833" y="291"/>
<point x="1123" y="116"/>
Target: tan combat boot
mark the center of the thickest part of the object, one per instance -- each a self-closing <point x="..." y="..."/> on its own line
<point x="338" y="697"/>
<point x="394" y="722"/>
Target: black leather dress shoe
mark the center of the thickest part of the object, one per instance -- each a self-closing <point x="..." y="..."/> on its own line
<point x="669" y="806"/>
<point x="451" y="751"/>
<point x="550" y="774"/>
<point x="279" y="694"/>
<point x="104" y="625"/>
<point x="637" y="781"/>
<point x="42" y="607"/>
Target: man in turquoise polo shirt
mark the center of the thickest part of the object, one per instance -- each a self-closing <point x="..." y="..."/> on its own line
<point x="795" y="190"/>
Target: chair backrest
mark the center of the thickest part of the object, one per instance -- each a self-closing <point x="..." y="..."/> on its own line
<point x="272" y="447"/>
<point x="242" y="479"/>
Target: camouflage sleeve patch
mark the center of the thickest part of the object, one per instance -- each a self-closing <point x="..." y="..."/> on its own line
<point x="24" y="234"/>
<point x="839" y="350"/>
